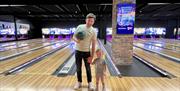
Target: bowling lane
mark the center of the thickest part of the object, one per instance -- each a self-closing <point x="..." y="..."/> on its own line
<point x="11" y="63"/>
<point x="158" y="49"/>
<point x="6" y="45"/>
<point x="20" y="42"/>
<point x="162" y="45"/>
<point x="18" y="50"/>
<point x="163" y="63"/>
<point x="168" y="43"/>
<point x="171" y="41"/>
<point x="48" y="65"/>
<point x="21" y="45"/>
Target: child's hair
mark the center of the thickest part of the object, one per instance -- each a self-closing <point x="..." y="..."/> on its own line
<point x="98" y="50"/>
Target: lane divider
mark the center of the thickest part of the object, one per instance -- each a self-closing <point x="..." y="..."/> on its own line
<point x="66" y="67"/>
<point x="161" y="71"/>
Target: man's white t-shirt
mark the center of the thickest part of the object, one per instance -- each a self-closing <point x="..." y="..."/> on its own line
<point x="85" y="44"/>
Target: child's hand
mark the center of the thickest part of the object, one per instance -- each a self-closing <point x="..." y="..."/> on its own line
<point x="90" y="59"/>
<point x="93" y="63"/>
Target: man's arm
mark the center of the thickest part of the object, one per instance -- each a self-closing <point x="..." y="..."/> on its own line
<point x="93" y="47"/>
<point x="74" y="38"/>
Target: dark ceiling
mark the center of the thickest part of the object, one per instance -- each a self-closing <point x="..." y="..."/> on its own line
<point x="54" y="10"/>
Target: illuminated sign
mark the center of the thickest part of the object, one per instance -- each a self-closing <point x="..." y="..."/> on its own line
<point x="125" y="18"/>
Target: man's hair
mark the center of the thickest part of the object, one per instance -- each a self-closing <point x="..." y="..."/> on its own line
<point x="91" y="15"/>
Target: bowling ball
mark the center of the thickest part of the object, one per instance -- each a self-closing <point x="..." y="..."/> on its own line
<point x="80" y="35"/>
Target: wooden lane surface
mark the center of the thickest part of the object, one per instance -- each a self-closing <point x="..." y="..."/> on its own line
<point x="169" y="42"/>
<point x="163" y="63"/>
<point x="24" y="41"/>
<point x="159" y="44"/>
<point x="7" y="64"/>
<point x="49" y="64"/>
<point x="165" y="41"/>
<point x="53" y="83"/>
<point x="18" y="50"/>
<point x="32" y="43"/>
<point x="161" y="50"/>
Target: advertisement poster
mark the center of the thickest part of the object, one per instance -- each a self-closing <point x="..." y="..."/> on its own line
<point x="125" y="18"/>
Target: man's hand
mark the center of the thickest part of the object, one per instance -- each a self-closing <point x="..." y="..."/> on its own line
<point x="76" y="40"/>
<point x="90" y="59"/>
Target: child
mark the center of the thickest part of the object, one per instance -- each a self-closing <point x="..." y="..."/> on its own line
<point x="100" y="68"/>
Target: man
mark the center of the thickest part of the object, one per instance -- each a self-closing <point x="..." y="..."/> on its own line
<point x="83" y="50"/>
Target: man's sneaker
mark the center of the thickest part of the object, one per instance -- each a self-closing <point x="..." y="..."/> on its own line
<point x="90" y="85"/>
<point x="77" y="85"/>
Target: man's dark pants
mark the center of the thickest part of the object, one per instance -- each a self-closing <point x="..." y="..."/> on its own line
<point x="79" y="55"/>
